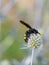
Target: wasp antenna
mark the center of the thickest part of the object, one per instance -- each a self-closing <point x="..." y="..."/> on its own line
<point x="27" y="25"/>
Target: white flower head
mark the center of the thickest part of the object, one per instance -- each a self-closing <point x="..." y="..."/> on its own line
<point x="34" y="41"/>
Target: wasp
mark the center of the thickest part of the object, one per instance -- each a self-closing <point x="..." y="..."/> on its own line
<point x="31" y="36"/>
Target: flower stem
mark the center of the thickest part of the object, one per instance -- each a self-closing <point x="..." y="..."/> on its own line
<point x="32" y="57"/>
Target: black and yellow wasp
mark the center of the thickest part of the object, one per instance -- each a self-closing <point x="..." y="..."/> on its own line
<point x="31" y="32"/>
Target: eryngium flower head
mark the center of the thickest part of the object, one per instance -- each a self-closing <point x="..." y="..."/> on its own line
<point x="34" y="41"/>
